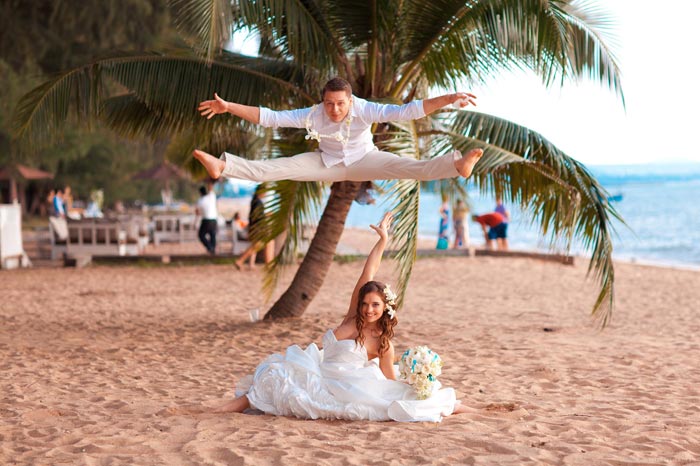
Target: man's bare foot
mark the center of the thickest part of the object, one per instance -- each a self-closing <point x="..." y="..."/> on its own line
<point x="465" y="165"/>
<point x="215" y="167"/>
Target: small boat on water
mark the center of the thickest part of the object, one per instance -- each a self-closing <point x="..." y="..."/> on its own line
<point x="615" y="197"/>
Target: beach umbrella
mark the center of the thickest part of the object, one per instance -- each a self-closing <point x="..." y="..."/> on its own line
<point x="15" y="172"/>
<point x="166" y="172"/>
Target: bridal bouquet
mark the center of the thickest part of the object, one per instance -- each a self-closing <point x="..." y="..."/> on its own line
<point x="420" y="366"/>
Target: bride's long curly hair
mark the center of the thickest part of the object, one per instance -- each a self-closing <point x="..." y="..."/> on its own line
<point x="385" y="323"/>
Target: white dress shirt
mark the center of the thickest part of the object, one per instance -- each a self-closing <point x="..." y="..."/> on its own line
<point x="207" y="206"/>
<point x="334" y="147"/>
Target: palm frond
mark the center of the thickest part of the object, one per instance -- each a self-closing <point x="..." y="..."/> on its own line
<point x="589" y="30"/>
<point x="205" y="24"/>
<point x="130" y="117"/>
<point x="178" y="84"/>
<point x="298" y="28"/>
<point x="290" y="207"/>
<point x="451" y="41"/>
<point x="170" y="87"/>
<point x="369" y="29"/>
<point x="179" y="149"/>
<point x="405" y="198"/>
<point x="43" y="111"/>
<point x="435" y="28"/>
<point x="560" y="193"/>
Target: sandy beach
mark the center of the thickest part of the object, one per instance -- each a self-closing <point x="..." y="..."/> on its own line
<point x="97" y="364"/>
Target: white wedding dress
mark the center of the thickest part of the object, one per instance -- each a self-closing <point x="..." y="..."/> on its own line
<point x="337" y="382"/>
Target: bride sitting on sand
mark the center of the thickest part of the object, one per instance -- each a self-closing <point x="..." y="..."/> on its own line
<point x="344" y="380"/>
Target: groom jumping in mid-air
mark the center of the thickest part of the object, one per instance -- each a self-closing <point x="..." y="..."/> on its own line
<point x="343" y="129"/>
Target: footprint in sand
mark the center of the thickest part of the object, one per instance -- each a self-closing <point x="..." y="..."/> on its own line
<point x="183" y="411"/>
<point x="501" y="407"/>
<point x="510" y="410"/>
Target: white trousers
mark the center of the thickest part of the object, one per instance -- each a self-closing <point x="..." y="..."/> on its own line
<point x="375" y="165"/>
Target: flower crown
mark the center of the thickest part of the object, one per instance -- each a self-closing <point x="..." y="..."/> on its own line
<point x="390" y="298"/>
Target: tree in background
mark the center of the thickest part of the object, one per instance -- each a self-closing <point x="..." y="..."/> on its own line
<point x="390" y="51"/>
<point x="55" y="35"/>
<point x="40" y="38"/>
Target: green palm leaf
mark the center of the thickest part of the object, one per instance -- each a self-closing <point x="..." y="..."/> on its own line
<point x="298" y="28"/>
<point x="169" y="87"/>
<point x="290" y="207"/>
<point x="206" y="24"/>
<point x="565" y="199"/>
<point x="405" y="199"/>
<point x="449" y="41"/>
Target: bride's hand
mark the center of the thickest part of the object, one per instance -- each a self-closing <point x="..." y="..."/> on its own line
<point x="209" y="108"/>
<point x="383" y="228"/>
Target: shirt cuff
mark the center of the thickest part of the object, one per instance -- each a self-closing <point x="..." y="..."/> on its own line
<point x="420" y="111"/>
<point x="265" y="117"/>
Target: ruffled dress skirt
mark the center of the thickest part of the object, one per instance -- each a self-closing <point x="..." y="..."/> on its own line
<point x="338" y="382"/>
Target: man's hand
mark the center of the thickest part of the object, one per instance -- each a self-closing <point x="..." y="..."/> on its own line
<point x="458" y="100"/>
<point x="462" y="99"/>
<point x="209" y="108"/>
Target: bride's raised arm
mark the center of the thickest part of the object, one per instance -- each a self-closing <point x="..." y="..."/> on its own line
<point x="372" y="263"/>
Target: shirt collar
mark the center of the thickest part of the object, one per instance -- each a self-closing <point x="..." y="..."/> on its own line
<point x="353" y="111"/>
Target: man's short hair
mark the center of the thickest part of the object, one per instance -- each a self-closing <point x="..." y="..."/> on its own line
<point x="337" y="84"/>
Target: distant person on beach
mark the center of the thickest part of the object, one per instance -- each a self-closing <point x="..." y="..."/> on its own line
<point x="67" y="200"/>
<point x="206" y="208"/>
<point x="366" y="194"/>
<point x="59" y="208"/>
<point x="354" y="377"/>
<point x="49" y="199"/>
<point x="458" y="218"/>
<point x="343" y="128"/>
<point x="119" y="207"/>
<point x="497" y="229"/>
<point x="501" y="209"/>
<point x="257" y="213"/>
<point x="444" y="226"/>
<point x="241" y="226"/>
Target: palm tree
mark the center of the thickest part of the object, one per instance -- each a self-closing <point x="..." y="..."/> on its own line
<point x="390" y="51"/>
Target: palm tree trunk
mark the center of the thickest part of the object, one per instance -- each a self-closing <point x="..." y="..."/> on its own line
<point x="313" y="269"/>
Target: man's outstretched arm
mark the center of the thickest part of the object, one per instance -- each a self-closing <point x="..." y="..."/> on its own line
<point x="464" y="99"/>
<point x="378" y="113"/>
<point x="209" y="108"/>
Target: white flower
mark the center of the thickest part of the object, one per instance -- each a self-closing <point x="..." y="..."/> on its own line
<point x="389" y="294"/>
<point x="390" y="298"/>
<point x="313" y="134"/>
<point x="420" y="366"/>
<point x="338" y="135"/>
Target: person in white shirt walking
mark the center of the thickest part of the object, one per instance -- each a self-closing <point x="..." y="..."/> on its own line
<point x="206" y="208"/>
<point x="343" y="129"/>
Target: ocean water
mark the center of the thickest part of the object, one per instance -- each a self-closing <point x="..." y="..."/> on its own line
<point x="660" y="205"/>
